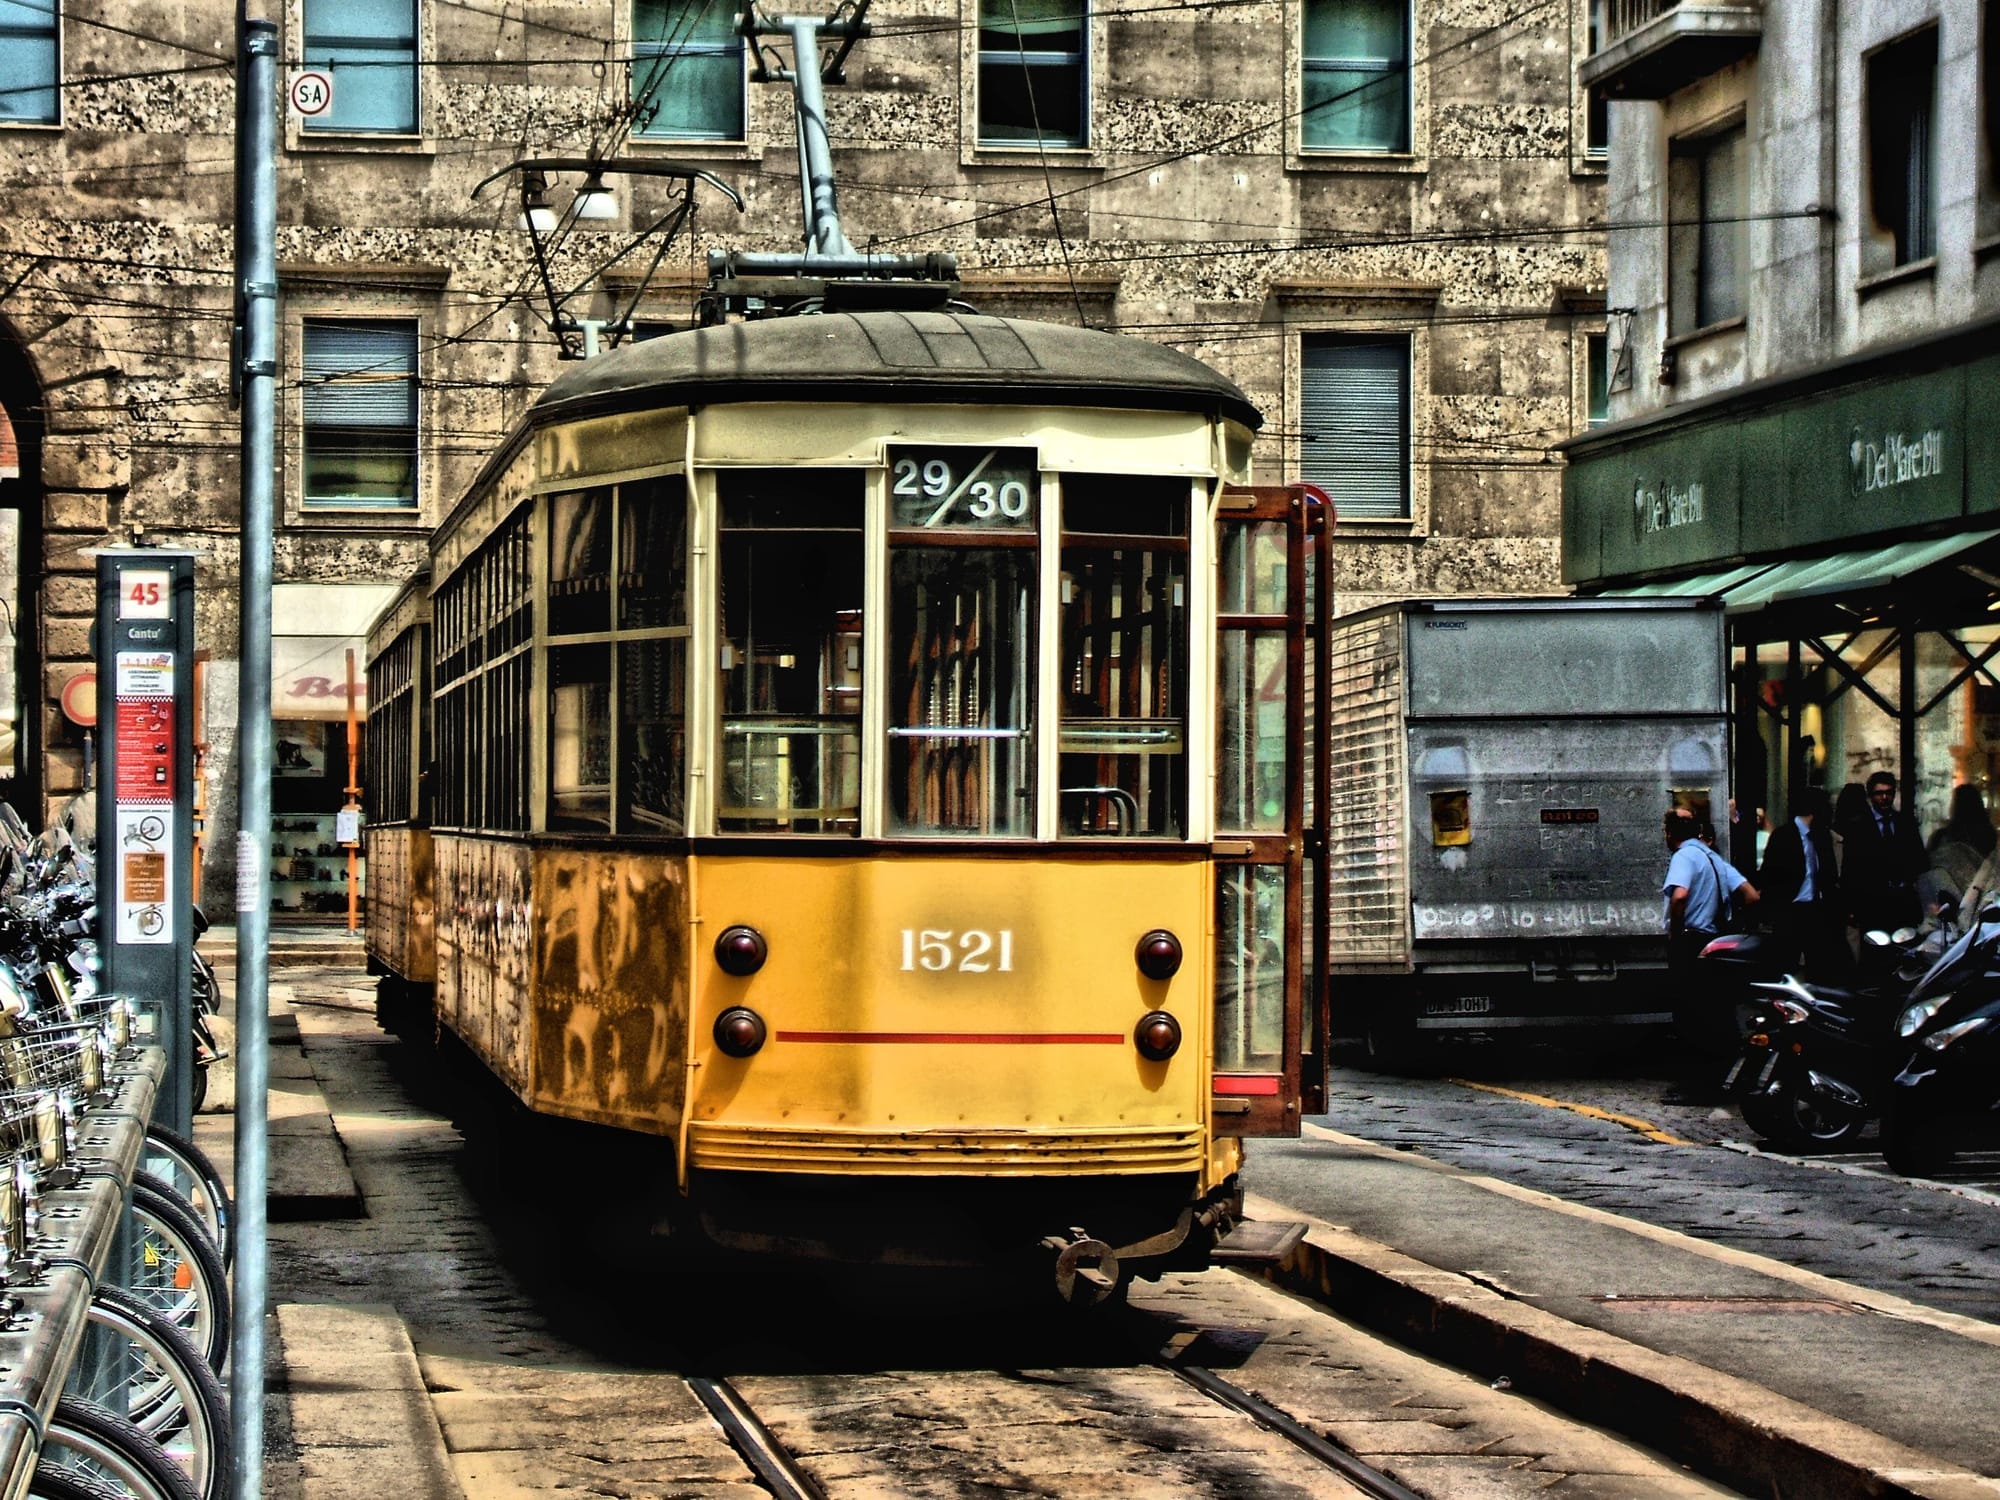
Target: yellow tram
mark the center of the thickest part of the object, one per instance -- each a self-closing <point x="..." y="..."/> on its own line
<point x="862" y="757"/>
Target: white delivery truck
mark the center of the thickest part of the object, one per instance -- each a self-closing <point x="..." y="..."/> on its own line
<point x="1495" y="777"/>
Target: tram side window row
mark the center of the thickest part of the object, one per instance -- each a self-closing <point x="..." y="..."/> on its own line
<point x="483" y="619"/>
<point x="390" y="742"/>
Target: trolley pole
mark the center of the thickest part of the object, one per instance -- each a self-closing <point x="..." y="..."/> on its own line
<point x="257" y="370"/>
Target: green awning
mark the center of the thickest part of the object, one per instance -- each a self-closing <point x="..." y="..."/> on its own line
<point x="1699" y="586"/>
<point x="1753" y="586"/>
<point x="1849" y="572"/>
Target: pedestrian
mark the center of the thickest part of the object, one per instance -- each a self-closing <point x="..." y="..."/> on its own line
<point x="1959" y="848"/>
<point x="1801" y="885"/>
<point x="1700" y="889"/>
<point x="1885" y="855"/>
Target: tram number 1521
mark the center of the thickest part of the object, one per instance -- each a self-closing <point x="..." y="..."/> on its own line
<point x="938" y="949"/>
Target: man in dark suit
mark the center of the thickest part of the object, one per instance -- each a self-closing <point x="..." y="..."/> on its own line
<point x="1801" y="887"/>
<point x="1881" y="857"/>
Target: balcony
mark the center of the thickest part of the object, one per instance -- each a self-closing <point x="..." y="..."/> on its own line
<point x="1652" y="48"/>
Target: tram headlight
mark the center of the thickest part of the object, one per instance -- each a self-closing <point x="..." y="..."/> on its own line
<point x="739" y="1031"/>
<point x="741" y="950"/>
<point x="1157" y="1036"/>
<point x="1158" y="954"/>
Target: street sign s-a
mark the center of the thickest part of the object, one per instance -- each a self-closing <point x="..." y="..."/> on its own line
<point x="310" y="92"/>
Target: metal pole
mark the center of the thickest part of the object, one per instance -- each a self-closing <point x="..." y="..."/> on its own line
<point x="824" y="235"/>
<point x="257" y="309"/>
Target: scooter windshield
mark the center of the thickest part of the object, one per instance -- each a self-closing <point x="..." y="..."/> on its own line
<point x="1973" y="950"/>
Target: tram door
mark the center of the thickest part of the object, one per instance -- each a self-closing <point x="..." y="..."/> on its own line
<point x="1269" y="1063"/>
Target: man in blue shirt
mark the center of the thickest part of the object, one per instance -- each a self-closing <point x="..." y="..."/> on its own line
<point x="1802" y="880"/>
<point x="1699" y="887"/>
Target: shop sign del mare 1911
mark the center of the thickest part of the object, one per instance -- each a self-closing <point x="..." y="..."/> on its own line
<point x="1662" y="507"/>
<point x="1895" y="458"/>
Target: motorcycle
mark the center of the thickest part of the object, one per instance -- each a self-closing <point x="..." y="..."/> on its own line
<point x="1945" y="1094"/>
<point x="1816" y="1059"/>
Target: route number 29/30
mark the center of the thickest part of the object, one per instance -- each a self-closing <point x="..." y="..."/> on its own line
<point x="938" y="949"/>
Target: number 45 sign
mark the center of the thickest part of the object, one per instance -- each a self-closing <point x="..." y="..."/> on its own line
<point x="145" y="594"/>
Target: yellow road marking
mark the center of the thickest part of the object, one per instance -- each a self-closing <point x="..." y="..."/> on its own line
<point x="1646" y="1128"/>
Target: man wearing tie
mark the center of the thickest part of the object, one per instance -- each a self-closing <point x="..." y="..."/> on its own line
<point x="1883" y="856"/>
<point x="1801" y="886"/>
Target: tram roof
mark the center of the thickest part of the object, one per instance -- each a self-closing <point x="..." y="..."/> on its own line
<point x="901" y="356"/>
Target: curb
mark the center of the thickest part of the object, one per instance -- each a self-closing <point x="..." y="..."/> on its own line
<point x="1727" y="1428"/>
<point x="361" y="1414"/>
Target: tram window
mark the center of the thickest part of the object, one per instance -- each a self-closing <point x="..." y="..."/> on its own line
<point x="1250" y="758"/>
<point x="580" y="562"/>
<point x="962" y="689"/>
<point x="580" y="738"/>
<point x="652" y="553"/>
<point x="1124" y="656"/>
<point x="652" y="736"/>
<point x="792" y="562"/>
<point x="1250" y="968"/>
<point x="1253" y="569"/>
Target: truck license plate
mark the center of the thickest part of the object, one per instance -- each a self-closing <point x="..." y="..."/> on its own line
<point x="1460" y="1005"/>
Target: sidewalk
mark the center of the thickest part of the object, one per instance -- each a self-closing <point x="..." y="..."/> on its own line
<point x="1774" y="1380"/>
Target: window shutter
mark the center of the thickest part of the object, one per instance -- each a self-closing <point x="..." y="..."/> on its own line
<point x="1354" y="412"/>
<point x="358" y="375"/>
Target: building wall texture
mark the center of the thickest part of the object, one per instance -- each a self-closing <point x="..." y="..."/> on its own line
<point x="1196" y="216"/>
<point x="1820" y="280"/>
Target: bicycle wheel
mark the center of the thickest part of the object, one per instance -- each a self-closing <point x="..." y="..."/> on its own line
<point x="84" y="1438"/>
<point x="69" y="1484"/>
<point x="175" y="1271"/>
<point x="154" y="1183"/>
<point x="185" y="1167"/>
<point x="142" y="1368"/>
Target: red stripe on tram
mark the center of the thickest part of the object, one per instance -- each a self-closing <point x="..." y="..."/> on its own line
<point x="1264" y="1086"/>
<point x="972" y="1038"/>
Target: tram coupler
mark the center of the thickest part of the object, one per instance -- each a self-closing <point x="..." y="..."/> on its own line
<point x="1086" y="1268"/>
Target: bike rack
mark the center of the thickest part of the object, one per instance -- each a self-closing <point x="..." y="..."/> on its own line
<point x="80" y="1227"/>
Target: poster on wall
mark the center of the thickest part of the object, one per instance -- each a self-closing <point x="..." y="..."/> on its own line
<point x="299" y="748"/>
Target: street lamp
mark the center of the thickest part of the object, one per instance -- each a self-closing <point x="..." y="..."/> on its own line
<point x="595" y="203"/>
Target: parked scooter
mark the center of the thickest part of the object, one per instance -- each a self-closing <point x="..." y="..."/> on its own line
<point x="1816" y="1060"/>
<point x="1945" y="1095"/>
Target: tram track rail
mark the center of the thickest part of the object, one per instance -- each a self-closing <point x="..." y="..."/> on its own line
<point x="1361" y="1475"/>
<point x="769" y="1459"/>
<point x="780" y="1471"/>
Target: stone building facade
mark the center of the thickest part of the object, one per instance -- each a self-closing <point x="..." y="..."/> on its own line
<point x="1804" y="270"/>
<point x="1376" y="215"/>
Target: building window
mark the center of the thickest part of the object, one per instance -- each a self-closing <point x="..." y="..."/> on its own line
<point x="1706" y="249"/>
<point x="370" y="48"/>
<point x="360" y="402"/>
<point x="28" y="61"/>
<point x="1902" y="145"/>
<point x="1354" y="415"/>
<point x="1357" y="76"/>
<point x="1033" y="85"/>
<point x="687" y="70"/>
<point x="1596" y="107"/>
<point x="1597" y="379"/>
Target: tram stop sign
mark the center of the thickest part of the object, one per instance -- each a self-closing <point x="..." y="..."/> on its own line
<point x="145" y="801"/>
